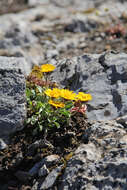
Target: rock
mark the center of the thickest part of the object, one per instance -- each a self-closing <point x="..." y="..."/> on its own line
<point x="12" y="95"/>
<point x="104" y="76"/>
<point x="122" y="120"/>
<point x="16" y="39"/>
<point x="101" y="163"/>
<point x="43" y="171"/>
<point x="21" y="30"/>
<point x="48" y="161"/>
<point x="64" y="3"/>
<point x="51" y="178"/>
<point x="35" y="186"/>
<point x="80" y="5"/>
<point x="37" y="2"/>
<point x="35" y="169"/>
<point x="51" y="160"/>
<point x="38" y="144"/>
<point x="51" y="54"/>
<point x="3" y="145"/>
<point x="12" y="6"/>
<point x="18" y="159"/>
<point x="106" y="134"/>
<point x="40" y="24"/>
<point x="80" y="26"/>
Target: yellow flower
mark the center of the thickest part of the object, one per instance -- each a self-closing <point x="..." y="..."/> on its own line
<point x="56" y="104"/>
<point x="84" y="97"/>
<point x="55" y="92"/>
<point x="47" y="68"/>
<point x="67" y="94"/>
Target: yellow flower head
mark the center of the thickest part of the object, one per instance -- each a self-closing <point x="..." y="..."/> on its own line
<point x="57" y="104"/>
<point x="55" y="92"/>
<point x="84" y="97"/>
<point x="67" y="94"/>
<point x="47" y="68"/>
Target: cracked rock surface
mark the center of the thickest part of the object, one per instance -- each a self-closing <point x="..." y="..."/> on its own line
<point x="100" y="164"/>
<point x="102" y="75"/>
<point x="12" y="95"/>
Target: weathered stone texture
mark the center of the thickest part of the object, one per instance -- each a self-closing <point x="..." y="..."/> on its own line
<point x="12" y="95"/>
<point x="100" y="164"/>
<point x="104" y="76"/>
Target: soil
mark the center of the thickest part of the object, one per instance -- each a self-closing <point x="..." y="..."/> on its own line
<point x="19" y="157"/>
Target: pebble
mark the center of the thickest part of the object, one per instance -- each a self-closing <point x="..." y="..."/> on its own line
<point x="43" y="171"/>
<point x="51" y="178"/>
<point x="3" y="145"/>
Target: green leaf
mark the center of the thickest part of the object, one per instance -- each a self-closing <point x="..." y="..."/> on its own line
<point x="40" y="127"/>
<point x="28" y="120"/>
<point x="39" y="105"/>
<point x="49" y="120"/>
<point x="65" y="112"/>
<point x="33" y="92"/>
<point x="39" y="89"/>
<point x="69" y="105"/>
<point x="28" y="92"/>
<point x="57" y="124"/>
<point x="40" y="110"/>
<point x="33" y="119"/>
<point x="54" y="118"/>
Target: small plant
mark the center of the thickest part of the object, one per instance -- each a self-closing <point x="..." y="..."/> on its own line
<point x="47" y="105"/>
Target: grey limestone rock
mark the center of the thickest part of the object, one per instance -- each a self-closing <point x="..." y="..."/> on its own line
<point x="48" y="161"/>
<point x="3" y="145"/>
<point x="32" y="34"/>
<point x="37" y="2"/>
<point x="51" y="160"/>
<point x="51" y="178"/>
<point x="122" y="120"/>
<point x="12" y="95"/>
<point x="43" y="171"/>
<point x="38" y="144"/>
<point x="35" y="169"/>
<point x="100" y="164"/>
<point x="80" y="26"/>
<point x="35" y="186"/>
<point x="104" y="76"/>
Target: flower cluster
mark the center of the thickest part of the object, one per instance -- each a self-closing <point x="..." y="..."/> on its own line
<point x="66" y="94"/>
<point x="48" y="105"/>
